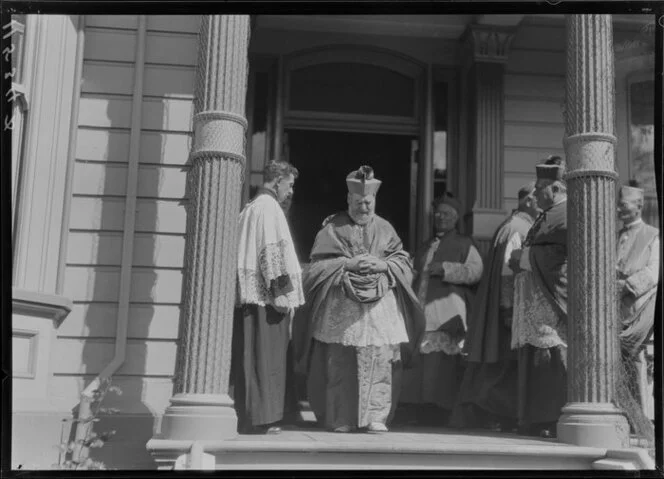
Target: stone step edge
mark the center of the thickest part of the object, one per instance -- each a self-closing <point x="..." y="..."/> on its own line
<point x="231" y="445"/>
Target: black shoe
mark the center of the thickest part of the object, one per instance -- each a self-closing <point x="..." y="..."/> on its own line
<point x="547" y="433"/>
<point x="494" y="426"/>
<point x="260" y="430"/>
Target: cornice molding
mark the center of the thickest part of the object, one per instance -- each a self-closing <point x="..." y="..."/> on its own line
<point x="52" y="306"/>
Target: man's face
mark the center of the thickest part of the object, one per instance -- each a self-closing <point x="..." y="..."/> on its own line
<point x="284" y="188"/>
<point x="361" y="207"/>
<point x="629" y="210"/>
<point x="445" y="218"/>
<point x="531" y="205"/>
<point x="544" y="193"/>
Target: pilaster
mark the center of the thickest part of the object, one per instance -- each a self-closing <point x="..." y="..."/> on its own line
<point x="486" y="50"/>
<point x="590" y="417"/>
<point x="52" y="42"/>
<point x="201" y="407"/>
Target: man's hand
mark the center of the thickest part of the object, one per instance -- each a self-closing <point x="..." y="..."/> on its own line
<point x="541" y="357"/>
<point x="436" y="269"/>
<point x="281" y="304"/>
<point x="515" y="261"/>
<point x="355" y="264"/>
<point x="371" y="264"/>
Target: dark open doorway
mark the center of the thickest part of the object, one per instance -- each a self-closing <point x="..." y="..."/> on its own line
<point x="324" y="159"/>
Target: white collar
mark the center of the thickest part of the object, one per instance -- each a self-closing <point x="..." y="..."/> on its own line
<point x="632" y="224"/>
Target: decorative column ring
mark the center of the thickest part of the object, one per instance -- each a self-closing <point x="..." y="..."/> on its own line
<point x="220" y="134"/>
<point x="590" y="154"/>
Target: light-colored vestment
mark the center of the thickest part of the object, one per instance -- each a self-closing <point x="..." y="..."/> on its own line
<point x="267" y="263"/>
<point x="446" y="302"/>
<point x="267" y="268"/>
<point x="638" y="265"/>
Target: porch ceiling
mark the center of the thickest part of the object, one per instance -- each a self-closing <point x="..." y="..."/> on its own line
<point x="429" y="26"/>
<point x="447" y="27"/>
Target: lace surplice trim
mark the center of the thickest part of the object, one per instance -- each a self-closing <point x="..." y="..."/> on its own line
<point x="436" y="341"/>
<point x="272" y="260"/>
<point x="253" y="290"/>
<point x="535" y="322"/>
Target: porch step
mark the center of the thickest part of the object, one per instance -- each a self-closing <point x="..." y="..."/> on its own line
<point x="421" y="449"/>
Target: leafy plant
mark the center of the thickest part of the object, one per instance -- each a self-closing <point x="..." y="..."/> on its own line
<point x="74" y="455"/>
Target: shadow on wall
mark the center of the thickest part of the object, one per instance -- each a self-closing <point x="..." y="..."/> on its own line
<point x="152" y="331"/>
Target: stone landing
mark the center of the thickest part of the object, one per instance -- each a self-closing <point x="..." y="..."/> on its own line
<point x="402" y="448"/>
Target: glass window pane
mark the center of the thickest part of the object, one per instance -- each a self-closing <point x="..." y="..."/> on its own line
<point x="352" y="88"/>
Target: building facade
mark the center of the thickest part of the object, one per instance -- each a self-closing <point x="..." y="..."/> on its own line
<point x="108" y="114"/>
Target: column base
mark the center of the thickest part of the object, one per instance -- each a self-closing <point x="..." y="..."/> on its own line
<point x="593" y="425"/>
<point x="199" y="417"/>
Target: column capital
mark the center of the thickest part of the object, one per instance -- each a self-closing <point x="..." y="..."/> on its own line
<point x="487" y="43"/>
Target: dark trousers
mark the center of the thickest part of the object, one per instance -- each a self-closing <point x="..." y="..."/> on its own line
<point x="542" y="385"/>
<point x="259" y="365"/>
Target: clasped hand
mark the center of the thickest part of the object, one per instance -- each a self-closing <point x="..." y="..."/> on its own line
<point x="366" y="264"/>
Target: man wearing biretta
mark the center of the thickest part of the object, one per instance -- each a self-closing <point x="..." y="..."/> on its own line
<point x="638" y="275"/>
<point x="361" y="318"/>
<point x="539" y="326"/>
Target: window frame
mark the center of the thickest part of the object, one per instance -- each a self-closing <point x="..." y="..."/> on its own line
<point x="369" y="123"/>
<point x="639" y="76"/>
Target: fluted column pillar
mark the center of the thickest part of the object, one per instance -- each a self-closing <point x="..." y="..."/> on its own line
<point x="487" y="48"/>
<point x="590" y="417"/>
<point x="201" y="407"/>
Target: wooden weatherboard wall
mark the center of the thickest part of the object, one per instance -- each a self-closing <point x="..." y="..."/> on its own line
<point x="534" y="96"/>
<point x="105" y="181"/>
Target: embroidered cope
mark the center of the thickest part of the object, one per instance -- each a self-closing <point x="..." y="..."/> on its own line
<point x="540" y="315"/>
<point x="362" y="317"/>
<point x="535" y="322"/>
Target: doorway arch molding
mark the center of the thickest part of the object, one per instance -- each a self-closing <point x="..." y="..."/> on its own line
<point x="388" y="60"/>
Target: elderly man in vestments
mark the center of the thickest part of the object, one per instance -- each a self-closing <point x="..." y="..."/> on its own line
<point x="448" y="265"/>
<point x="539" y="324"/>
<point x="638" y="275"/>
<point x="488" y="392"/>
<point x="269" y="288"/>
<point x="361" y="318"/>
